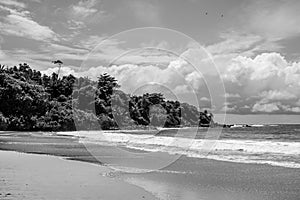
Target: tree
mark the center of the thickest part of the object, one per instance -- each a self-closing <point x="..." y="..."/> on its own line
<point x="59" y="63"/>
<point x="105" y="88"/>
<point x="106" y="85"/>
<point x="3" y="122"/>
<point x="32" y="101"/>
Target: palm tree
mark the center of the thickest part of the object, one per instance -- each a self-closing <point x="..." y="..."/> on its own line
<point x="59" y="63"/>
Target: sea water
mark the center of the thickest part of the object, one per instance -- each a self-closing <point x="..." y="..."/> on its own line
<point x="277" y="144"/>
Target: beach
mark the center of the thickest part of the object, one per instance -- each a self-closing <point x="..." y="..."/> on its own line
<point x="149" y="100"/>
<point x="29" y="176"/>
<point x="186" y="178"/>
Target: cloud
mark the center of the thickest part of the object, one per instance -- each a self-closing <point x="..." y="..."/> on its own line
<point x="228" y="109"/>
<point x="234" y="42"/>
<point x="262" y="27"/>
<point x="64" y="48"/>
<point x="64" y="71"/>
<point x="277" y="95"/>
<point x="229" y="95"/>
<point x="288" y="108"/>
<point x="83" y="9"/>
<point x="63" y="52"/>
<point x="41" y="58"/>
<point x="204" y="99"/>
<point x="13" y="3"/>
<point x="175" y="74"/>
<point x="25" y="27"/>
<point x="269" y="107"/>
<point x="20" y="23"/>
<point x="274" y="108"/>
<point x="114" y="52"/>
<point x="267" y="82"/>
<point x="132" y="77"/>
<point x="86" y="12"/>
<point x="178" y="77"/>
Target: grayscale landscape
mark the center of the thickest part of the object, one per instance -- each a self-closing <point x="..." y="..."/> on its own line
<point x="148" y="99"/>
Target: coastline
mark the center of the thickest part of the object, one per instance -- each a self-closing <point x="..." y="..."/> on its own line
<point x="187" y="178"/>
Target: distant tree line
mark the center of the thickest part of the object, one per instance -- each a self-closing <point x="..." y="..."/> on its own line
<point x="32" y="101"/>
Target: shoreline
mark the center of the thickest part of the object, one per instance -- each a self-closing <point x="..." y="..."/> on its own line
<point x="68" y="146"/>
<point x="32" y="176"/>
<point x="187" y="178"/>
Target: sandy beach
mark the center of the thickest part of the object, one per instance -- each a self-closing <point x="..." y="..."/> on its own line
<point x="29" y="176"/>
<point x="149" y="100"/>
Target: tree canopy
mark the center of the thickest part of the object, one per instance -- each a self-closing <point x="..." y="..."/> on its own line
<point x="30" y="100"/>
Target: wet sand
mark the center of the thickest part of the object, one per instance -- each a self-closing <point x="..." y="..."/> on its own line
<point x="187" y="178"/>
<point x="29" y="176"/>
<point x="193" y="179"/>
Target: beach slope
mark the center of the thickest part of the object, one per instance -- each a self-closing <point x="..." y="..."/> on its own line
<point x="28" y="176"/>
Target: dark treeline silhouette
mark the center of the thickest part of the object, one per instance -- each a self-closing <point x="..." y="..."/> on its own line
<point x="32" y="101"/>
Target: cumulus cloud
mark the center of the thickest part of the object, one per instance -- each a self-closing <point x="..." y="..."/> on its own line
<point x="277" y="95"/>
<point x="267" y="82"/>
<point x="274" y="107"/>
<point x="176" y="73"/>
<point x="177" y="77"/>
<point x="268" y="107"/>
<point x="139" y="68"/>
<point x="64" y="71"/>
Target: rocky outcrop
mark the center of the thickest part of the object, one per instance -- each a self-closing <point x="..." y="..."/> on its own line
<point x="206" y="119"/>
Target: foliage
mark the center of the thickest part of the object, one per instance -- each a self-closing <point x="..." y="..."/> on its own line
<point x="3" y="122"/>
<point x="32" y="101"/>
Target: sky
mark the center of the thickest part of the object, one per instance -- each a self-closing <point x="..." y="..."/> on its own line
<point x="234" y="56"/>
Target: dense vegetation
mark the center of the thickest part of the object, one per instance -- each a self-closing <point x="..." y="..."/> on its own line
<point x="33" y="101"/>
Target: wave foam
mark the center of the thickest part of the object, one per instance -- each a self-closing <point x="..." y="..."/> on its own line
<point x="276" y="153"/>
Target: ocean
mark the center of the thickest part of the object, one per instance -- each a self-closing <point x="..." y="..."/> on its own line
<point x="277" y="144"/>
